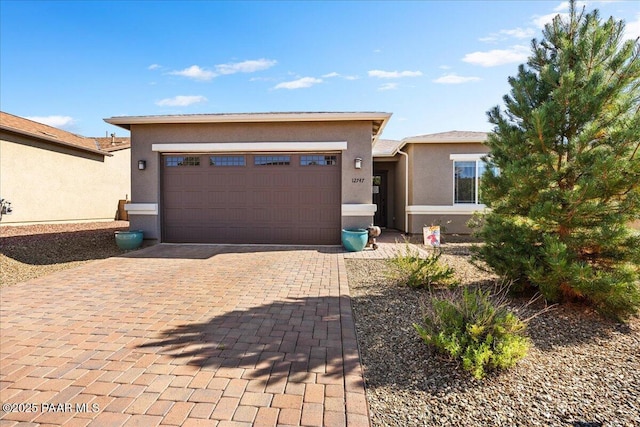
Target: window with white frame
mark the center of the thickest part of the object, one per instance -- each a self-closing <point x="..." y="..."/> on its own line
<point x="467" y="176"/>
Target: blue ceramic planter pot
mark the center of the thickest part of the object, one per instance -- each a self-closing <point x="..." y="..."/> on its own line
<point x="128" y="240"/>
<point x="354" y="240"/>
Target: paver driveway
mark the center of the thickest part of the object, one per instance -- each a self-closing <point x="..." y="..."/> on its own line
<point x="184" y="335"/>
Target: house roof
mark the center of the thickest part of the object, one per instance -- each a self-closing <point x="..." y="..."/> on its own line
<point x="447" y="137"/>
<point x="379" y="119"/>
<point x="27" y="127"/>
<point x="113" y="143"/>
<point x="390" y="148"/>
<point x="385" y="147"/>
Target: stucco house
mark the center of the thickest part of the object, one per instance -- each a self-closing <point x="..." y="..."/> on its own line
<point x="295" y="178"/>
<point x="288" y="178"/>
<point x="428" y="180"/>
<point x="53" y="176"/>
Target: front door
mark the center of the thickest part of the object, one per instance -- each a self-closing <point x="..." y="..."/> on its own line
<point x="380" y="198"/>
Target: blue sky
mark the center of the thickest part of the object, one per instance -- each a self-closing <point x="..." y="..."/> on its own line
<point x="436" y="65"/>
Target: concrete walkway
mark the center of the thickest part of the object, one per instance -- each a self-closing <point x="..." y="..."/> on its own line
<point x="184" y="335"/>
<point x="390" y="243"/>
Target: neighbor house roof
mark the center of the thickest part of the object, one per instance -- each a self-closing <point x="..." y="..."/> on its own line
<point x="113" y="143"/>
<point x="390" y="148"/>
<point x="22" y="126"/>
<point x="379" y="119"/>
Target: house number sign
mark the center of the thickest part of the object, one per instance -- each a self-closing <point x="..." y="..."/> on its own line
<point x="357" y="180"/>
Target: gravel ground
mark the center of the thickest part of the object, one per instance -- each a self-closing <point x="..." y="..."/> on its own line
<point x="582" y="370"/>
<point x="31" y="251"/>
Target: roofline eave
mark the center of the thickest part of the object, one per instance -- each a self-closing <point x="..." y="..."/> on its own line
<point x="54" y="141"/>
<point x="126" y="122"/>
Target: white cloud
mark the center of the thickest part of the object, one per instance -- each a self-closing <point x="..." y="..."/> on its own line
<point x="497" y="57"/>
<point x="393" y="74"/>
<point x="562" y="6"/>
<point x="541" y="21"/>
<point x="181" y="101"/>
<point x="54" y="121"/>
<point x="261" y="79"/>
<point x="153" y="67"/>
<point x="453" y="79"/>
<point x="195" y="72"/>
<point x="388" y="86"/>
<point x="249" y="66"/>
<point x="377" y="51"/>
<point x="565" y="6"/>
<point x="299" y="83"/>
<point x="334" y="74"/>
<point x="632" y="28"/>
<point x="518" y="33"/>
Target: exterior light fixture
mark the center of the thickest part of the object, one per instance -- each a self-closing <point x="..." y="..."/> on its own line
<point x="358" y="163"/>
<point x="142" y="165"/>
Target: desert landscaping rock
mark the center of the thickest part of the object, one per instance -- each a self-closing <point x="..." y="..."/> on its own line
<point x="582" y="370"/>
<point x="31" y="251"/>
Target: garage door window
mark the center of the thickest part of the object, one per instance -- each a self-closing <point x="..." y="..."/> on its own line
<point x="227" y="161"/>
<point x="272" y="160"/>
<point x="318" y="160"/>
<point x="173" y="161"/>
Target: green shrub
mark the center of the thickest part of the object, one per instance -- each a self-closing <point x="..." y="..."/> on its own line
<point x="476" y="327"/>
<point x="417" y="271"/>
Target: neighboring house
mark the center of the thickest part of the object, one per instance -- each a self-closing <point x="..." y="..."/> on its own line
<point x="428" y="180"/>
<point x="287" y="178"/>
<point x="50" y="175"/>
<point x="113" y="143"/>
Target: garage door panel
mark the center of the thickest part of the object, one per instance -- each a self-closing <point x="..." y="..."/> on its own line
<point x="237" y="198"/>
<point x="228" y="180"/>
<point x="237" y="215"/>
<point x="283" y="197"/>
<point x="260" y="216"/>
<point x="192" y="199"/>
<point x="287" y="204"/>
<point x="286" y="216"/>
<point x="217" y="215"/>
<point x="313" y="215"/>
<point x="261" y="198"/>
<point x="173" y="199"/>
<point x="172" y="215"/>
<point x="262" y="180"/>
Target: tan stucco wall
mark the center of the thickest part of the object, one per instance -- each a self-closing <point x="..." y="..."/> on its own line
<point x="430" y="183"/>
<point x="56" y="184"/>
<point x="401" y="193"/>
<point x="431" y="171"/>
<point x="449" y="224"/>
<point x="146" y="184"/>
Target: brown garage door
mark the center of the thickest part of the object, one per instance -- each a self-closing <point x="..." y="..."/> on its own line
<point x="251" y="198"/>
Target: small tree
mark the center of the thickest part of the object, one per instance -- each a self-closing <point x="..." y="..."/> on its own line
<point x="568" y="153"/>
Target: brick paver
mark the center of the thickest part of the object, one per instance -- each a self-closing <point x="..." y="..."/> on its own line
<point x="186" y="335"/>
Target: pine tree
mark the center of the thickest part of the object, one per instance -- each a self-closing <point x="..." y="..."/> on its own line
<point x="567" y="149"/>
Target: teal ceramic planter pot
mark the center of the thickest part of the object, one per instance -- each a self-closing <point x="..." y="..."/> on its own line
<point x="128" y="240"/>
<point x="354" y="240"/>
